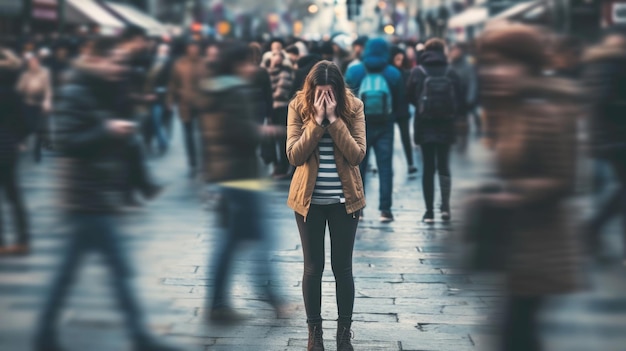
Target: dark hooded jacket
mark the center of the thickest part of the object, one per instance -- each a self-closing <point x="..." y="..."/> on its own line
<point x="605" y="81"/>
<point x="305" y="65"/>
<point x="375" y="59"/>
<point x="428" y="131"/>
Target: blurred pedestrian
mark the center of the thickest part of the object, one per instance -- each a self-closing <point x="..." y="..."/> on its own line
<point x="399" y="60"/>
<point x="281" y="77"/>
<point x="605" y="82"/>
<point x="182" y="92"/>
<point x="10" y="137"/>
<point x="535" y="153"/>
<point x="465" y="70"/>
<point x="326" y="143"/>
<point x="35" y="90"/>
<point x="357" y="51"/>
<point x="379" y="85"/>
<point x="264" y="102"/>
<point x="231" y="133"/>
<point x="93" y="141"/>
<point x="293" y="53"/>
<point x="435" y="90"/>
<point x="156" y="84"/>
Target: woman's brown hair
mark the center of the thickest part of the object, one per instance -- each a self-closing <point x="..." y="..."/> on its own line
<point x="325" y="73"/>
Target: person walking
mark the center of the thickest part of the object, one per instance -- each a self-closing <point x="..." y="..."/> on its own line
<point x="156" y="86"/>
<point x="231" y="133"/>
<point x="534" y="144"/>
<point x="435" y="90"/>
<point x="380" y="86"/>
<point x="399" y="60"/>
<point x="281" y="77"/>
<point x="605" y="79"/>
<point x="93" y="141"/>
<point x="182" y="92"/>
<point x="326" y="143"/>
<point x="465" y="70"/>
<point x="35" y="89"/>
<point x="9" y="152"/>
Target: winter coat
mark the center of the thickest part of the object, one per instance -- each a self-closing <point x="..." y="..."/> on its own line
<point x="183" y="85"/>
<point x="605" y="82"/>
<point x="35" y="87"/>
<point x="262" y="92"/>
<point x="93" y="170"/>
<point x="303" y="136"/>
<point x="433" y="131"/>
<point x="535" y="155"/>
<point x="282" y="85"/>
<point x="375" y="59"/>
<point x="230" y="130"/>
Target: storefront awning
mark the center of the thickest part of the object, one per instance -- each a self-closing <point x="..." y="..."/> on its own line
<point x="90" y="12"/>
<point x="138" y="18"/>
<point x="528" y="9"/>
<point x="470" y="17"/>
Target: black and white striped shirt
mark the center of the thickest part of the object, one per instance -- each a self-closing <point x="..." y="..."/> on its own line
<point x="328" y="189"/>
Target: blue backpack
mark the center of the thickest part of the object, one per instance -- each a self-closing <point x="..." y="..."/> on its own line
<point x="376" y="96"/>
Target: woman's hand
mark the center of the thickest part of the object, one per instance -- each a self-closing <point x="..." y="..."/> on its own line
<point x="320" y="107"/>
<point x="331" y="105"/>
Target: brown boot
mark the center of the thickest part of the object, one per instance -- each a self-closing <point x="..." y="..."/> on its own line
<point x="344" y="337"/>
<point x="316" y="342"/>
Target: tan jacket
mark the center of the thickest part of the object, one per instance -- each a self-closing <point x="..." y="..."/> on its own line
<point x="35" y="87"/>
<point x="183" y="87"/>
<point x="303" y="135"/>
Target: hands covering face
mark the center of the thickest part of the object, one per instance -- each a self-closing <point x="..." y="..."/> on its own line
<point x="325" y="105"/>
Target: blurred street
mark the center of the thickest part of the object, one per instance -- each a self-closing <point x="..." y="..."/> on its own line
<point x="409" y="296"/>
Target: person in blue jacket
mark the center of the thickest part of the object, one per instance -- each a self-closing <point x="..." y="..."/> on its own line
<point x="375" y="60"/>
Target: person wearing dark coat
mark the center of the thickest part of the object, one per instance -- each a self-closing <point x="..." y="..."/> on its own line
<point x="304" y="64"/>
<point x="605" y="80"/>
<point x="93" y="141"/>
<point x="399" y="60"/>
<point x="434" y="136"/>
<point x="10" y="138"/>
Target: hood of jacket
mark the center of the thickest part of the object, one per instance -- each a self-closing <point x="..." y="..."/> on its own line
<point x="433" y="58"/>
<point x="376" y="54"/>
<point x="307" y="62"/>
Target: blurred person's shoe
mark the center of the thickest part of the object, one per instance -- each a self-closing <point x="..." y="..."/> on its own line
<point x="386" y="216"/>
<point x="445" y="215"/>
<point x="344" y="338"/>
<point x="316" y="337"/>
<point x="429" y="217"/>
<point x="151" y="344"/>
<point x="153" y="191"/>
<point x="226" y="315"/>
<point x="412" y="170"/>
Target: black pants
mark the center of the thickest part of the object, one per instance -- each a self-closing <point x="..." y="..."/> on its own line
<point x="189" y="130"/>
<point x="520" y="326"/>
<point x="34" y="124"/>
<point x="403" y="124"/>
<point x="342" y="227"/>
<point x="139" y="175"/>
<point x="436" y="159"/>
<point x="12" y="192"/>
<point x="279" y="118"/>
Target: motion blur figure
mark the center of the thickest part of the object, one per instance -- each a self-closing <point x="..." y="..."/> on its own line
<point x="531" y="120"/>
<point x="605" y="79"/>
<point x="93" y="141"/>
<point x="231" y="133"/>
<point x="35" y="90"/>
<point x="9" y="141"/>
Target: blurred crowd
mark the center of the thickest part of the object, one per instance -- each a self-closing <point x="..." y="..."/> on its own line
<point x="540" y="102"/>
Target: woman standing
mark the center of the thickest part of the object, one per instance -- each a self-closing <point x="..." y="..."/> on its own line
<point x="326" y="144"/>
<point x="281" y="77"/>
<point x="35" y="88"/>
<point x="399" y="60"/>
<point x="435" y="118"/>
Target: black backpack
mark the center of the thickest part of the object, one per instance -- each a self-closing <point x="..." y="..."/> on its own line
<point x="438" y="98"/>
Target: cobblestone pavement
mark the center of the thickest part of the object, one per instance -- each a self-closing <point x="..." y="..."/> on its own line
<point x="409" y="295"/>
